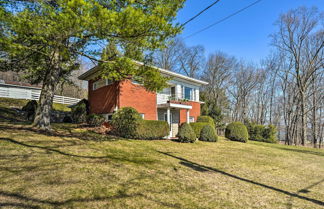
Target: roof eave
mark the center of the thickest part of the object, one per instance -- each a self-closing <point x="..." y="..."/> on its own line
<point x="88" y="75"/>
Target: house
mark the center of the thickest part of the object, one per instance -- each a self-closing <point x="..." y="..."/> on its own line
<point x="176" y="104"/>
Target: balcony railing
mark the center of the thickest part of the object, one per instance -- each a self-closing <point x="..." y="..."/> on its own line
<point x="164" y="98"/>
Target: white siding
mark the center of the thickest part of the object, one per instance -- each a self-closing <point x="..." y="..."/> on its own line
<point x="197" y="95"/>
<point x="163" y="96"/>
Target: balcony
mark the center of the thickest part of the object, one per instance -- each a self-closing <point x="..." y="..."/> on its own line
<point x="178" y="94"/>
<point x="165" y="99"/>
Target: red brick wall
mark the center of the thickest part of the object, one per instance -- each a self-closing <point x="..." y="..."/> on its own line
<point x="136" y="96"/>
<point x="104" y="99"/>
<point x="194" y="112"/>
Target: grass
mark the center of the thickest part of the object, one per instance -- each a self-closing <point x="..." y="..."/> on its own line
<point x="19" y="103"/>
<point x="74" y="168"/>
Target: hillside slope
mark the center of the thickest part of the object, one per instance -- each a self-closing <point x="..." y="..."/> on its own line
<point x="77" y="169"/>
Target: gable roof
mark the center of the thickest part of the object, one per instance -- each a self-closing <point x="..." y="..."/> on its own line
<point x="93" y="71"/>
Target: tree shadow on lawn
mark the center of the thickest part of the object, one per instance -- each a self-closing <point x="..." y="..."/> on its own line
<point x="304" y="190"/>
<point x="203" y="168"/>
<point x="293" y="149"/>
<point x="20" y="200"/>
<point x="123" y="157"/>
<point x="30" y="202"/>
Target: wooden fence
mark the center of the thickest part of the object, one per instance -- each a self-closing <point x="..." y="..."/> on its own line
<point x="31" y="93"/>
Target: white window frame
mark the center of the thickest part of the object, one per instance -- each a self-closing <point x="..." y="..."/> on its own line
<point x="191" y="119"/>
<point x="102" y="82"/>
<point x="107" y="116"/>
<point x="142" y="115"/>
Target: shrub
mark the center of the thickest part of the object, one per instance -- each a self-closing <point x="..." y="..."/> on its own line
<point x="270" y="134"/>
<point x="30" y="108"/>
<point x="152" y="129"/>
<point x="237" y="131"/>
<point x="95" y="120"/>
<point x="256" y="132"/>
<point x="206" y="119"/>
<point x="197" y="127"/>
<point x="125" y="122"/>
<point x="186" y="133"/>
<point x="208" y="133"/>
<point x="80" y="111"/>
<point x="262" y="133"/>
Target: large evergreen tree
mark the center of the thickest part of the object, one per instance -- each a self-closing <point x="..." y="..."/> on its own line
<point x="45" y="39"/>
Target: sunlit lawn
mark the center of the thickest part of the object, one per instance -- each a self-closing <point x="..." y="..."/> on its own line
<point x="77" y="169"/>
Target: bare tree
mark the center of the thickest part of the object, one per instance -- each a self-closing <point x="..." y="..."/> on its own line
<point x="181" y="58"/>
<point x="301" y="39"/>
<point x="218" y="73"/>
<point x="168" y="58"/>
<point x="243" y="82"/>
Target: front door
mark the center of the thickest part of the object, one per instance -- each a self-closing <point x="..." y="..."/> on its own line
<point x="174" y="123"/>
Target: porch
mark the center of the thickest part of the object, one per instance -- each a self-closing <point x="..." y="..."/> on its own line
<point x="174" y="114"/>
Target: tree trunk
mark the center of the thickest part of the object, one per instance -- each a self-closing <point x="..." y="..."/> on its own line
<point x="303" y="119"/>
<point x="314" y="118"/>
<point x="43" y="113"/>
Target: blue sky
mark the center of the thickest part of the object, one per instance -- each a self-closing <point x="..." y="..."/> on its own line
<point x="245" y="35"/>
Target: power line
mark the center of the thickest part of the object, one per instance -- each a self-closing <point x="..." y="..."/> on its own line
<point x="223" y="19"/>
<point x="202" y="11"/>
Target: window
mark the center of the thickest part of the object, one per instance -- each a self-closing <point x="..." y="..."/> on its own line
<point x="173" y="92"/>
<point x="142" y="115"/>
<point x="108" y="82"/>
<point x="191" y="119"/>
<point x="108" y="116"/>
<point x="101" y="83"/>
<point x="165" y="117"/>
<point x="188" y="93"/>
<point x="136" y="82"/>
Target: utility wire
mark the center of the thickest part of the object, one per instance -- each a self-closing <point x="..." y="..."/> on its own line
<point x="202" y="11"/>
<point x="223" y="19"/>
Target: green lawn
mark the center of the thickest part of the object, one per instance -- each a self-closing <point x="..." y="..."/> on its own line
<point x="74" y="168"/>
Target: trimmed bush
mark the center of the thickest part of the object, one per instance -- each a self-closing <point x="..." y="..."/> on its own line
<point x="197" y="127"/>
<point x="186" y="133"/>
<point x="95" y="120"/>
<point x="125" y="122"/>
<point x="80" y="111"/>
<point x="30" y="108"/>
<point x="237" y="131"/>
<point x="206" y="119"/>
<point x="208" y="133"/>
<point x="152" y="129"/>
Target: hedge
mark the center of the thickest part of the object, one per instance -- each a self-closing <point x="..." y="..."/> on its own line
<point x="206" y="119"/>
<point x="95" y="120"/>
<point x="262" y="133"/>
<point x="186" y="133"/>
<point x="197" y="127"/>
<point x="30" y="108"/>
<point x="80" y="111"/>
<point x="270" y="134"/>
<point x="152" y="129"/>
<point x="125" y="122"/>
<point x="237" y="131"/>
<point x="208" y="133"/>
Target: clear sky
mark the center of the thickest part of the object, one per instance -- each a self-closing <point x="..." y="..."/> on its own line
<point x="245" y="35"/>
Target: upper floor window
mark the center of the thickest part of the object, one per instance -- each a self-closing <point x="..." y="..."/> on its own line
<point x="188" y="93"/>
<point x="100" y="83"/>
